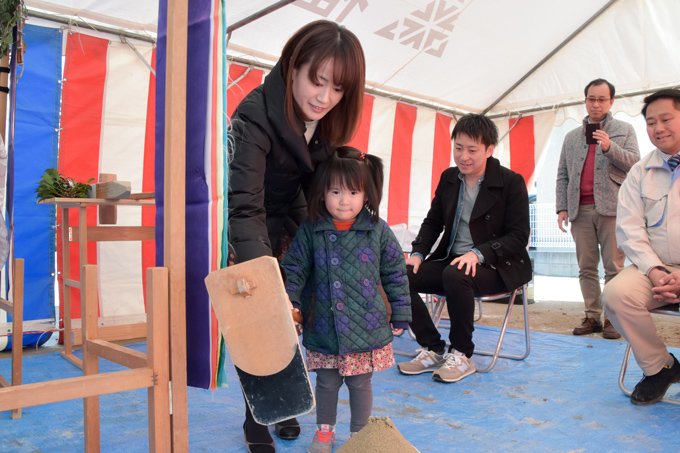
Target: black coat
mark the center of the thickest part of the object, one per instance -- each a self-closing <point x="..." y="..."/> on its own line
<point x="499" y="223"/>
<point x="270" y="170"/>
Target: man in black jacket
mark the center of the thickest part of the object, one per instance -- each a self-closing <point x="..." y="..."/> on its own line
<point x="483" y="209"/>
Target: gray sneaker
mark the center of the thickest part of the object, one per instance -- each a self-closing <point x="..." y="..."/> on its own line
<point x="455" y="368"/>
<point x="425" y="362"/>
<point x="323" y="439"/>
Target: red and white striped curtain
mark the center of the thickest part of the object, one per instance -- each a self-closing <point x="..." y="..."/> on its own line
<point x="415" y="146"/>
<point x="107" y="123"/>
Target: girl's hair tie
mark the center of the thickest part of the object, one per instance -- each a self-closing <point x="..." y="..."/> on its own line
<point x="362" y="155"/>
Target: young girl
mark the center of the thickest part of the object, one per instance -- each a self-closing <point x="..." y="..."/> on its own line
<point x="345" y="270"/>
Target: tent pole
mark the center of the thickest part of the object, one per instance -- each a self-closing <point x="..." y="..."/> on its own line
<point x="257" y="15"/>
<point x="174" y="214"/>
<point x="549" y="56"/>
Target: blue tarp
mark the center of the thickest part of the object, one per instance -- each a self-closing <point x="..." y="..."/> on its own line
<point x="563" y="398"/>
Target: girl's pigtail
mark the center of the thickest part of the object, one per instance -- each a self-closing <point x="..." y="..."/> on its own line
<point x="375" y="166"/>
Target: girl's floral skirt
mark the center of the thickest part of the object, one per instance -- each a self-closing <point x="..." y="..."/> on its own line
<point x="352" y="364"/>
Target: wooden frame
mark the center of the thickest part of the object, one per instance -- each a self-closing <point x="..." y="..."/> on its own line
<point x="16" y="309"/>
<point x="148" y="370"/>
<point x="84" y="234"/>
<point x="174" y="213"/>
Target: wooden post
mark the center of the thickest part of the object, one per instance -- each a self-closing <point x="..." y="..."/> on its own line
<point x="15" y="307"/>
<point x="17" y="327"/>
<point x="174" y="213"/>
<point x="67" y="353"/>
<point x="158" y="358"/>
<point x="90" y="311"/>
<point x="108" y="215"/>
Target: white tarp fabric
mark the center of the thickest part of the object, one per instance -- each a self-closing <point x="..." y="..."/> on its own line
<point x="633" y="45"/>
<point x="138" y="15"/>
<point x="468" y="53"/>
<point x="462" y="53"/>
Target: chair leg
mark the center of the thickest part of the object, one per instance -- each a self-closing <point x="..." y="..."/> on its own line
<point x="497" y="352"/>
<point x="622" y="375"/>
<point x="439" y="302"/>
<point x="435" y="305"/>
<point x="410" y="332"/>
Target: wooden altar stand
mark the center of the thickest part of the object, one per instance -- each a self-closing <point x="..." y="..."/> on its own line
<point x="82" y="233"/>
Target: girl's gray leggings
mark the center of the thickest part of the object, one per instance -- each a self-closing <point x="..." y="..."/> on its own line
<point x="328" y="383"/>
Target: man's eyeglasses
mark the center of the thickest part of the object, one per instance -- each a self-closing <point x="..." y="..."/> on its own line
<point x="599" y="100"/>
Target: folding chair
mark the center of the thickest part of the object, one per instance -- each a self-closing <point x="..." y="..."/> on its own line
<point x="669" y="310"/>
<point x="16" y="309"/>
<point x="436" y="303"/>
<point x="496" y="353"/>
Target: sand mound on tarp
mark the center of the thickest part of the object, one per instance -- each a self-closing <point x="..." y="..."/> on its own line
<point x="378" y="436"/>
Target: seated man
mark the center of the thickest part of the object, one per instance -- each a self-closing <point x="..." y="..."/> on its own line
<point x="483" y="209"/>
<point x="649" y="200"/>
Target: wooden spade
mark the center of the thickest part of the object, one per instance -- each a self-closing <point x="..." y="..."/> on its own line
<point x="255" y="318"/>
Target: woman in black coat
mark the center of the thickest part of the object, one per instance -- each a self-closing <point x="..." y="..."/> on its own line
<point x="310" y="103"/>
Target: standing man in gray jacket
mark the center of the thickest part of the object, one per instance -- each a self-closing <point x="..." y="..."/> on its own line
<point x="594" y="162"/>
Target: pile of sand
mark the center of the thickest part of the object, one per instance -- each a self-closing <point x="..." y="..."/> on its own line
<point x="378" y="436"/>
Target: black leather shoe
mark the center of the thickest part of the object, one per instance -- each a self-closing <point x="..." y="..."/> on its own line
<point x="287" y="429"/>
<point x="651" y="389"/>
<point x="262" y="445"/>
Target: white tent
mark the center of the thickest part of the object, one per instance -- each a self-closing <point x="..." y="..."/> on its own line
<point x="445" y="56"/>
<point x="527" y="59"/>
<point x="473" y="55"/>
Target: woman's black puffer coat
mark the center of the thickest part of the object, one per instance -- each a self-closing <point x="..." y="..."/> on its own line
<point x="270" y="170"/>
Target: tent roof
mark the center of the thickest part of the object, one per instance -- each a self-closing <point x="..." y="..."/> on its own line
<point x="137" y="15"/>
<point x="462" y="54"/>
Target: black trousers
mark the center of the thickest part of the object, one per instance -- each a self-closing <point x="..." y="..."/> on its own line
<point x="439" y="277"/>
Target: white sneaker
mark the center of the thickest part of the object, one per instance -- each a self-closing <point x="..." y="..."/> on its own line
<point x="425" y="362"/>
<point x="456" y="366"/>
